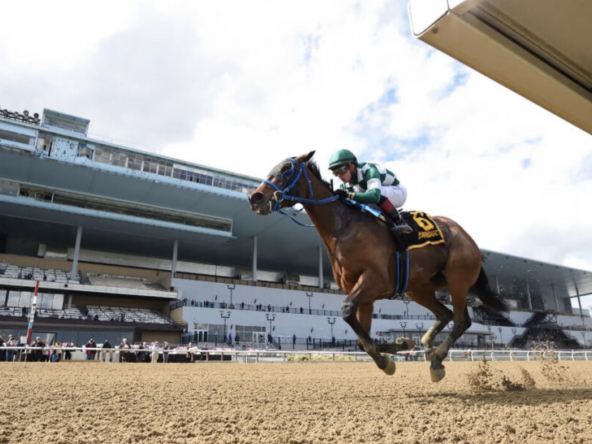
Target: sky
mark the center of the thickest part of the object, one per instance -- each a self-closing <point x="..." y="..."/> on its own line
<point x="240" y="85"/>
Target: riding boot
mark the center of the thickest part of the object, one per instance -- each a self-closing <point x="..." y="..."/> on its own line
<point x="399" y="222"/>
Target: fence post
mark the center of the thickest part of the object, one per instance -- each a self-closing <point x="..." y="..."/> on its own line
<point x="257" y="358"/>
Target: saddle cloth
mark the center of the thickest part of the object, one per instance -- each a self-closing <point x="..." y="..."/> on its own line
<point x="425" y="230"/>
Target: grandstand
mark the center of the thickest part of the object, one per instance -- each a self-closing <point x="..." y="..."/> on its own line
<point x="130" y="244"/>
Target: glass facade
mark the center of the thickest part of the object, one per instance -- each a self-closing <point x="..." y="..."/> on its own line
<point x="150" y="165"/>
<point x="110" y="206"/>
<point x="46" y="301"/>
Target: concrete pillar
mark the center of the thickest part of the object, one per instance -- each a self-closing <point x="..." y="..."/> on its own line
<point x="579" y="300"/>
<point x="175" y="254"/>
<point x="69" y="302"/>
<point x="254" y="260"/>
<point x="528" y="294"/>
<point x="74" y="272"/>
<point x="555" y="297"/>
<point x="321" y="268"/>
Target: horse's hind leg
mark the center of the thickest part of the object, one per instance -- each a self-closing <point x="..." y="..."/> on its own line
<point x="427" y="299"/>
<point x="462" y="322"/>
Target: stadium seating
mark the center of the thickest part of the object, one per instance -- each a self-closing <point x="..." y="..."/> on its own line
<point x="33" y="273"/>
<point x="139" y="315"/>
<point x="108" y="280"/>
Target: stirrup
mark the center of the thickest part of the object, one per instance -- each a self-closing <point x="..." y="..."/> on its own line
<point x="403" y="228"/>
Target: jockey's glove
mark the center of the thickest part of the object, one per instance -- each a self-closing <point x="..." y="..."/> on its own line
<point x="344" y="194"/>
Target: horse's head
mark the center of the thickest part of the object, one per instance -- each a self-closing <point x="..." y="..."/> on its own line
<point x="283" y="180"/>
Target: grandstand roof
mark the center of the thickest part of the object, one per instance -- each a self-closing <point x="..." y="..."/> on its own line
<point x="540" y="50"/>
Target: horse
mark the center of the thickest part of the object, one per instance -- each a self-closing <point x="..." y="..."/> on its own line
<point x="362" y="251"/>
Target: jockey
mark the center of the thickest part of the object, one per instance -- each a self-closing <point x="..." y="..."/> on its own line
<point x="369" y="183"/>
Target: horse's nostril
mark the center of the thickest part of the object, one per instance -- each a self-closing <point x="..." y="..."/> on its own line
<point x="255" y="197"/>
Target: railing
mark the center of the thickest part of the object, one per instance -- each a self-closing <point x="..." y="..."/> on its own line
<point x="256" y="356"/>
<point x="290" y="310"/>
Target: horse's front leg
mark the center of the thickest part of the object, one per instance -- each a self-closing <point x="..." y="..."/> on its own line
<point x="352" y="312"/>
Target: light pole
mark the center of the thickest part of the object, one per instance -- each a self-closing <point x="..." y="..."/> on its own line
<point x="231" y="287"/>
<point x="489" y="330"/>
<point x="224" y="316"/>
<point x="403" y="325"/>
<point x="331" y="323"/>
<point x="420" y="328"/>
<point x="407" y="301"/>
<point x="501" y="339"/>
<point x="270" y="318"/>
<point x="309" y="295"/>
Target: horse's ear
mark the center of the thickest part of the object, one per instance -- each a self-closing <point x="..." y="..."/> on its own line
<point x="305" y="157"/>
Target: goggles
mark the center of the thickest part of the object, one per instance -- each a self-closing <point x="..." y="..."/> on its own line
<point x="340" y="170"/>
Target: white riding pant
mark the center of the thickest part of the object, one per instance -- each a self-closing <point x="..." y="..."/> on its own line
<point x="397" y="195"/>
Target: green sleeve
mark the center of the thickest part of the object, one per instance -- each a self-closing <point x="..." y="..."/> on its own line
<point x="368" y="197"/>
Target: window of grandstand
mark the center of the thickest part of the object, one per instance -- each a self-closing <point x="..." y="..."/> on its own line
<point x="130" y="209"/>
<point x="46" y="301"/>
<point x="9" y="188"/>
<point x="64" y="121"/>
<point x="134" y="163"/>
<point x="16" y="137"/>
<point x="162" y="168"/>
<point x="35" y="193"/>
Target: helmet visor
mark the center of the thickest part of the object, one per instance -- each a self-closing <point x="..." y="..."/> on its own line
<point x="340" y="170"/>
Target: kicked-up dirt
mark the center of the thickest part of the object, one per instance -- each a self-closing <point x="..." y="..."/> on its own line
<point x="297" y="403"/>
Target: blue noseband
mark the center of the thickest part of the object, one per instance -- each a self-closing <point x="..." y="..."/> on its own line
<point x="291" y="177"/>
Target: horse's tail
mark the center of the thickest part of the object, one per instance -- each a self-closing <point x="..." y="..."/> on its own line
<point x="490" y="299"/>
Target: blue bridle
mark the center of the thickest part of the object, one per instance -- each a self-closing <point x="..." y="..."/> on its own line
<point x="291" y="173"/>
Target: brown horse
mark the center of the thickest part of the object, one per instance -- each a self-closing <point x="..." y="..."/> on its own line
<point x="362" y="254"/>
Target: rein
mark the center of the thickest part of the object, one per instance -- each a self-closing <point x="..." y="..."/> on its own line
<point x="284" y="190"/>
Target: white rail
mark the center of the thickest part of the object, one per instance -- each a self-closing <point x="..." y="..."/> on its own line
<point x="255" y="356"/>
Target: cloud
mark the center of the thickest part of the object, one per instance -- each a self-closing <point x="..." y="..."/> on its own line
<point x="241" y="85"/>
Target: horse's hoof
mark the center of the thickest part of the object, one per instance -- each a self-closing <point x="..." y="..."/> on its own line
<point x="390" y="367"/>
<point x="407" y="341"/>
<point x="437" y="374"/>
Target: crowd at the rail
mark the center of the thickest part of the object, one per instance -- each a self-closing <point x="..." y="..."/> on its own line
<point x="13" y="350"/>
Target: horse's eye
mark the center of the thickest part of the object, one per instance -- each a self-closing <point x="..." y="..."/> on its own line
<point x="285" y="168"/>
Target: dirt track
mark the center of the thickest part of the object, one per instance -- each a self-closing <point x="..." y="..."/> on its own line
<point x="286" y="403"/>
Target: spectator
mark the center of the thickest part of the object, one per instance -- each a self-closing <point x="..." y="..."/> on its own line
<point x="165" y="353"/>
<point x="90" y="354"/>
<point x="68" y="351"/>
<point x="145" y="355"/>
<point x="189" y="354"/>
<point x="155" y="352"/>
<point x="37" y="354"/>
<point x="294" y="340"/>
<point x="55" y="353"/>
<point x="237" y="339"/>
<point x="2" y="350"/>
<point x="229" y="338"/>
<point x="124" y="351"/>
<point x="107" y="351"/>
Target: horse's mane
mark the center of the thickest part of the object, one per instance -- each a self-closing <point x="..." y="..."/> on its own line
<point x="314" y="169"/>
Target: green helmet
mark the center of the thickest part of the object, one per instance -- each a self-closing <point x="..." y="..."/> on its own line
<point x="342" y="157"/>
